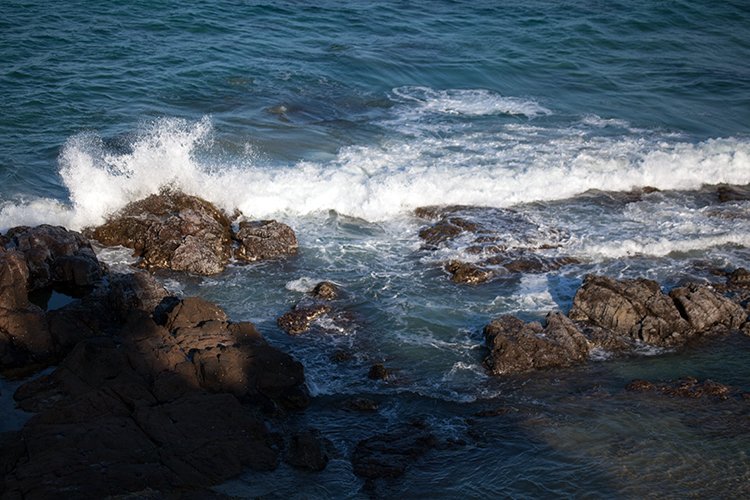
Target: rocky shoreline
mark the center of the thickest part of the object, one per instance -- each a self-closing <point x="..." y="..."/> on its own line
<point x="152" y="392"/>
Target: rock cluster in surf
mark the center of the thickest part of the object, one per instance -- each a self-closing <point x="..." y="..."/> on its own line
<point x="499" y="242"/>
<point x="172" y="230"/>
<point x="614" y="316"/>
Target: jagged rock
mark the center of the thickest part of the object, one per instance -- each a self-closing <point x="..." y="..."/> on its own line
<point x="638" y="309"/>
<point x="138" y="290"/>
<point x="634" y="308"/>
<point x="325" y="290"/>
<point x="299" y="319"/>
<point x="388" y="455"/>
<point x="308" y="451"/>
<point x="265" y="239"/>
<point x="705" y="309"/>
<point x="739" y="278"/>
<point x="154" y="406"/>
<point x="516" y="346"/>
<point x="171" y="230"/>
<point x="470" y="274"/>
<point x="55" y="256"/>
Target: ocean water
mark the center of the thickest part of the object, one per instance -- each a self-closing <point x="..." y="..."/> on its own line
<point x="340" y="120"/>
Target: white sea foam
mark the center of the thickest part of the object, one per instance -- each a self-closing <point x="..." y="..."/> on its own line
<point x="467" y="102"/>
<point x="663" y="246"/>
<point x="377" y="182"/>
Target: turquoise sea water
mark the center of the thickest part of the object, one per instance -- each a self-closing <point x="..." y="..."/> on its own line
<point x="340" y="119"/>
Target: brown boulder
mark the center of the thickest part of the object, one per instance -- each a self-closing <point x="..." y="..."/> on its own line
<point x="516" y="346"/>
<point x="634" y="308"/>
<point x="265" y="239"/>
<point x="171" y="230"/>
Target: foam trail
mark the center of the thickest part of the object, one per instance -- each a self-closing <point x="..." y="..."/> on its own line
<point x="377" y="182"/>
<point x="662" y="247"/>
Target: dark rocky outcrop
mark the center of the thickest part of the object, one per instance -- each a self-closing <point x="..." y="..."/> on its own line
<point x="265" y="239"/>
<point x="728" y="193"/>
<point x="388" y="455"/>
<point x="639" y="310"/>
<point x="171" y="230"/>
<point x="470" y="274"/>
<point x="516" y="346"/>
<point x="153" y="393"/>
<point x="38" y="260"/>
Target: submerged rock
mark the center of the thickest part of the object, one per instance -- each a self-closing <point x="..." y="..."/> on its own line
<point x="686" y="387"/>
<point x="171" y="230"/>
<point x="308" y="451"/>
<point x="516" y="346"/>
<point x="378" y="372"/>
<point x="388" y="455"/>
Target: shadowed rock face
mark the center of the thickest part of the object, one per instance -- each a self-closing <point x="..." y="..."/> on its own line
<point x="171" y="230"/>
<point x="516" y="346"/>
<point x="41" y="258"/>
<point x="157" y="406"/>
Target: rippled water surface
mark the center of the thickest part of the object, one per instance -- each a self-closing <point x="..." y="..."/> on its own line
<point x="340" y="120"/>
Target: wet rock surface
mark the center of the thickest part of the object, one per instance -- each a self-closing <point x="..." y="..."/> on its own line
<point x="266" y="239"/>
<point x="171" y="230"/>
<point x="307" y="450"/>
<point x="516" y="346"/>
<point x="319" y="303"/>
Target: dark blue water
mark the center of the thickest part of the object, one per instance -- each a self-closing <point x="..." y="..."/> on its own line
<point x="340" y="119"/>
